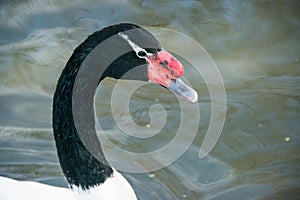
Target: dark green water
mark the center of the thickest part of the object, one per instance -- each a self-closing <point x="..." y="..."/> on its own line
<point x="256" y="47"/>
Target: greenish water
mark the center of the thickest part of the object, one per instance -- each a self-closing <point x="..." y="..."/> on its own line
<point x="256" y="47"/>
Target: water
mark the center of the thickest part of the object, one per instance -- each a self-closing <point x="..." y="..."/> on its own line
<point x="256" y="47"/>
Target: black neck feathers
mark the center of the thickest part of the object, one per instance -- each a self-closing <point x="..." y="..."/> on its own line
<point x="79" y="165"/>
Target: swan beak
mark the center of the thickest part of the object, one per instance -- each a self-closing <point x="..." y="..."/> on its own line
<point x="164" y="69"/>
<point x="179" y="87"/>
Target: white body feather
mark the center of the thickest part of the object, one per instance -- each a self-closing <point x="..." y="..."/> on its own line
<point x="114" y="188"/>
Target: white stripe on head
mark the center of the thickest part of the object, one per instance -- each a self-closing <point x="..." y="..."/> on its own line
<point x="135" y="47"/>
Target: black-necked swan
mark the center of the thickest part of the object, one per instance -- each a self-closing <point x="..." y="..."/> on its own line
<point x="88" y="177"/>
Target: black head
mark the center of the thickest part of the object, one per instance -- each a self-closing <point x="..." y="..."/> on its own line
<point x="123" y="62"/>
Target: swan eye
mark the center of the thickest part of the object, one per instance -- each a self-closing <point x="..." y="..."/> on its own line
<point x="141" y="53"/>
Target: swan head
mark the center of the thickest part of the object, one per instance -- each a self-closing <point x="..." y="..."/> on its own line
<point x="162" y="67"/>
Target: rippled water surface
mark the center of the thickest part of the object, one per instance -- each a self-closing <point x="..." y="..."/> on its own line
<point x="255" y="45"/>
